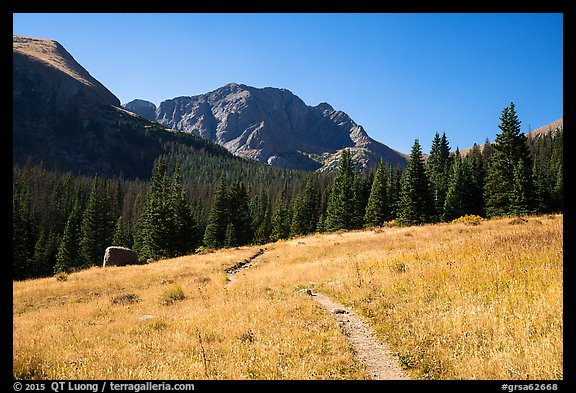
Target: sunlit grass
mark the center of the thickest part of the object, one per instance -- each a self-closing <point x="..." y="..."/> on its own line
<point x="455" y="301"/>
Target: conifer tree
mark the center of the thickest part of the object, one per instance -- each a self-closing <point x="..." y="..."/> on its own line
<point x="473" y="167"/>
<point x="377" y="210"/>
<point x="437" y="171"/>
<point x="215" y="233"/>
<point x="45" y="251"/>
<point x="341" y="207"/>
<point x="239" y="215"/>
<point x="455" y="201"/>
<point x="183" y="227"/>
<point x="24" y="229"/>
<point x="280" y="224"/>
<point x="504" y="172"/>
<point x="97" y="224"/>
<point x="521" y="197"/>
<point x="69" y="255"/>
<point x="153" y="233"/>
<point x="262" y="233"/>
<point x="306" y="210"/>
<point x="122" y="236"/>
<point x="416" y="206"/>
<point x="393" y="191"/>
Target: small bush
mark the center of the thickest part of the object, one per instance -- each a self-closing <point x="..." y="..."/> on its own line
<point x="172" y="294"/>
<point x="469" y="219"/>
<point x="127" y="298"/>
<point x="61" y="276"/>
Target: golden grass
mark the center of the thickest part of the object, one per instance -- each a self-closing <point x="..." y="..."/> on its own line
<point x="454" y="301"/>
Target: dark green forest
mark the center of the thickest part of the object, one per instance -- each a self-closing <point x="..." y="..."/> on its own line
<point x="63" y="222"/>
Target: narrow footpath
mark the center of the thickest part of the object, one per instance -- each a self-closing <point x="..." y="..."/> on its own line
<point x="379" y="360"/>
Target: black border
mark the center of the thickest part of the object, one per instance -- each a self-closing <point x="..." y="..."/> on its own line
<point x="425" y="6"/>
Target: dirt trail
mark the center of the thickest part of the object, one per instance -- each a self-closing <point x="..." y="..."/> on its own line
<point x="379" y="360"/>
<point x="239" y="266"/>
<point x="380" y="363"/>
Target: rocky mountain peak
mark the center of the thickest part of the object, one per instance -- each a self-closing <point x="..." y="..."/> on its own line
<point x="271" y="125"/>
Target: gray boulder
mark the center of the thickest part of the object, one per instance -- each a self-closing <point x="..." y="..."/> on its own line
<point x="119" y="256"/>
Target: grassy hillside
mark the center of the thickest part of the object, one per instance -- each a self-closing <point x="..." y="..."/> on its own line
<point x="454" y="301"/>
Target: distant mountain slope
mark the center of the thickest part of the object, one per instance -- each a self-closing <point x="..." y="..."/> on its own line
<point x="65" y="118"/>
<point x="547" y="128"/>
<point x="271" y="125"/>
<point x="532" y="134"/>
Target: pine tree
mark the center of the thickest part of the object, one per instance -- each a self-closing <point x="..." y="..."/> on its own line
<point x="183" y="228"/>
<point x="377" y="210"/>
<point x="455" y="201"/>
<point x="153" y="233"/>
<point x="521" y="197"/>
<point x="45" y="251"/>
<point x="341" y="207"/>
<point x="280" y="222"/>
<point x="298" y="226"/>
<point x="215" y="233"/>
<point x="393" y="191"/>
<point x="122" y="236"/>
<point x="508" y="150"/>
<point x="473" y="167"/>
<point x="69" y="255"/>
<point x="542" y="190"/>
<point x="437" y="171"/>
<point x="262" y="233"/>
<point x="239" y="215"/>
<point x="416" y="206"/>
<point x="306" y="210"/>
<point x="97" y="224"/>
<point x="24" y="232"/>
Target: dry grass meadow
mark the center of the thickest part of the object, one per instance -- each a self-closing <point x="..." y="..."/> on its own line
<point x="454" y="301"/>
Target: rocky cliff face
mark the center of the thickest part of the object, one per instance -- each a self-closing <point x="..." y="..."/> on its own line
<point x="143" y="108"/>
<point x="272" y="126"/>
<point x="68" y="120"/>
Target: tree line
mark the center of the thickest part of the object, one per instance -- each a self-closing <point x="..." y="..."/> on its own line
<point x="63" y="222"/>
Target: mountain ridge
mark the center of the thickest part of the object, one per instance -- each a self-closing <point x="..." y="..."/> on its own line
<point x="271" y="125"/>
<point x="67" y="120"/>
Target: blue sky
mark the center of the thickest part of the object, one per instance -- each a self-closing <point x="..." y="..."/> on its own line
<point x="401" y="76"/>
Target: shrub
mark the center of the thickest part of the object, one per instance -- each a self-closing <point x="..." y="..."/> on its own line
<point x="172" y="294"/>
<point x="469" y="219"/>
<point x="126" y="298"/>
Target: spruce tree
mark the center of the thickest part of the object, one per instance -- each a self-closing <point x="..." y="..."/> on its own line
<point x="306" y="210"/>
<point x="239" y="215"/>
<point x="183" y="228"/>
<point x="298" y="226"/>
<point x="69" y="255"/>
<point x="341" y="204"/>
<point x="122" y="236"/>
<point x="377" y="210"/>
<point x="215" y="232"/>
<point x="438" y="172"/>
<point x="521" y="197"/>
<point x="262" y="233"/>
<point x="24" y="232"/>
<point x="153" y="232"/>
<point x="473" y="167"/>
<point x="508" y="150"/>
<point x="393" y="191"/>
<point x="416" y="206"/>
<point x="45" y="251"/>
<point x="455" y="201"/>
<point x="97" y="224"/>
<point x="280" y="224"/>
